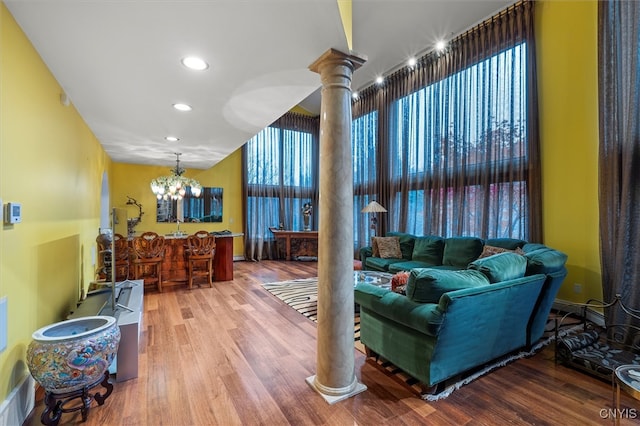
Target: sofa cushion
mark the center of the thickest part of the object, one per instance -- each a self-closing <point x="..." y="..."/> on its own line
<point x="460" y="251"/>
<point x="507" y="243"/>
<point x="388" y="247"/>
<point x="428" y="249"/>
<point x="379" y="264"/>
<point x="407" y="265"/>
<point x="447" y="267"/>
<point x="545" y="261"/>
<point x="426" y="285"/>
<point x="406" y="243"/>
<point x="529" y="247"/>
<point x="501" y="267"/>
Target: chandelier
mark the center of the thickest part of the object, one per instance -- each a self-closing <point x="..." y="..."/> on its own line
<point x="174" y="186"/>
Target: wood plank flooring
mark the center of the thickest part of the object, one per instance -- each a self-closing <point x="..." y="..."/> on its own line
<point x="235" y="355"/>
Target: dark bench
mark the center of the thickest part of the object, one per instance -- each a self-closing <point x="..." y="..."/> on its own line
<point x="599" y="350"/>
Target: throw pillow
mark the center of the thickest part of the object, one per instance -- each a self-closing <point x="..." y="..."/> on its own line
<point x="388" y="247"/>
<point x="491" y="250"/>
<point x="374" y="247"/>
<point x="508" y="243"/>
<point x="426" y="285"/>
<point x="399" y="282"/>
<point x="501" y="267"/>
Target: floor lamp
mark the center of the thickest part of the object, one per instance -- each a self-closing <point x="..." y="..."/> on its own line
<point x="374" y="207"/>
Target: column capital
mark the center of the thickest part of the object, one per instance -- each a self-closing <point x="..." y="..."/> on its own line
<point x="332" y="55"/>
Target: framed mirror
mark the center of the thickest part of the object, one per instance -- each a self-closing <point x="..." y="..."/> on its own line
<point x="205" y="208"/>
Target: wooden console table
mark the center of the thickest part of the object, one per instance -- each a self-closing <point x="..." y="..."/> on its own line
<point x="298" y="243"/>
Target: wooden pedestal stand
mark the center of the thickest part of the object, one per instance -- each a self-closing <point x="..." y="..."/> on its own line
<point x="56" y="403"/>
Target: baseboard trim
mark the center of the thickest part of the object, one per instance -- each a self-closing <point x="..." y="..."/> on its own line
<point x="19" y="403"/>
<point x="571" y="307"/>
<point x="238" y="258"/>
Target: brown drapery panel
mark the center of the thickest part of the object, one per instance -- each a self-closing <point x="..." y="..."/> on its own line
<point x="280" y="174"/>
<point x="455" y="149"/>
<point x="619" y="156"/>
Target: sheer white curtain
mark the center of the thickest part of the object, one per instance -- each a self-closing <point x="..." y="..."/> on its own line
<point x="364" y="139"/>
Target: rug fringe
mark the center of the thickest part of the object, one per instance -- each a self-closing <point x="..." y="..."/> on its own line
<point x="501" y="363"/>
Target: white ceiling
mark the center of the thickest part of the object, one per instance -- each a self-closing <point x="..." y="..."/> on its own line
<point x="119" y="62"/>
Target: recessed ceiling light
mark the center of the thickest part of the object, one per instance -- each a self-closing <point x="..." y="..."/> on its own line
<point x="354" y="95"/>
<point x="441" y="45"/>
<point x="411" y="62"/>
<point x="380" y="80"/>
<point x="172" y="138"/>
<point x="195" y="63"/>
<point x="182" y="107"/>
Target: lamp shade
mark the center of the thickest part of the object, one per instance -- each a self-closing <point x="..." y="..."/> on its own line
<point x="373" y="207"/>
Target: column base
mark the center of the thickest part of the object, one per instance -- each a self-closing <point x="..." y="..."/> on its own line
<point x="353" y="390"/>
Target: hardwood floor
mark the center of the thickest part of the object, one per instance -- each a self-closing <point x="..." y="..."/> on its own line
<point x="236" y="355"/>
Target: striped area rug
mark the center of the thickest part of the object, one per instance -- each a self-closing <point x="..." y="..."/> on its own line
<point x="302" y="295"/>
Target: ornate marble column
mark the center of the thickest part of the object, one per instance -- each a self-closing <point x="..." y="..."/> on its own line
<point x="335" y="378"/>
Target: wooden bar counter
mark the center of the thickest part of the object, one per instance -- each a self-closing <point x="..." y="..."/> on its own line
<point x="174" y="266"/>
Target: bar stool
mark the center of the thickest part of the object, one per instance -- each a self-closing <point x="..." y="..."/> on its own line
<point x="121" y="257"/>
<point x="149" y="251"/>
<point x="201" y="248"/>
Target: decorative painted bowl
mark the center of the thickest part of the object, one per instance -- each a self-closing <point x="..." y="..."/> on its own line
<point x="72" y="354"/>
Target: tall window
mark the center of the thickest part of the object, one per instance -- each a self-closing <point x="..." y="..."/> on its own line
<point x="456" y="145"/>
<point x="280" y="177"/>
<point x="460" y="150"/>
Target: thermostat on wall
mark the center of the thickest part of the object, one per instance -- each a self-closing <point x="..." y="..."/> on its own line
<point x="13" y="213"/>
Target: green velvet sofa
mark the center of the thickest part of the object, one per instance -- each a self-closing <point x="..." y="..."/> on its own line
<point x="432" y="251"/>
<point x="454" y="318"/>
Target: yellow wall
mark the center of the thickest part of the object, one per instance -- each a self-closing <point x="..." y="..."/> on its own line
<point x="567" y="50"/>
<point x="51" y="163"/>
<point x="133" y="180"/>
<point x="346" y="11"/>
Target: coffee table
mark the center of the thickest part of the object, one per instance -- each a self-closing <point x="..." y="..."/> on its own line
<point x="627" y="378"/>
<point x="380" y="279"/>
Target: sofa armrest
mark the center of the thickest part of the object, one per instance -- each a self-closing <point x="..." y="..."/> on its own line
<point x="423" y="317"/>
<point x="365" y="252"/>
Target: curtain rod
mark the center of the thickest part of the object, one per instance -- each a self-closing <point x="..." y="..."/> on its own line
<point x="425" y="53"/>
